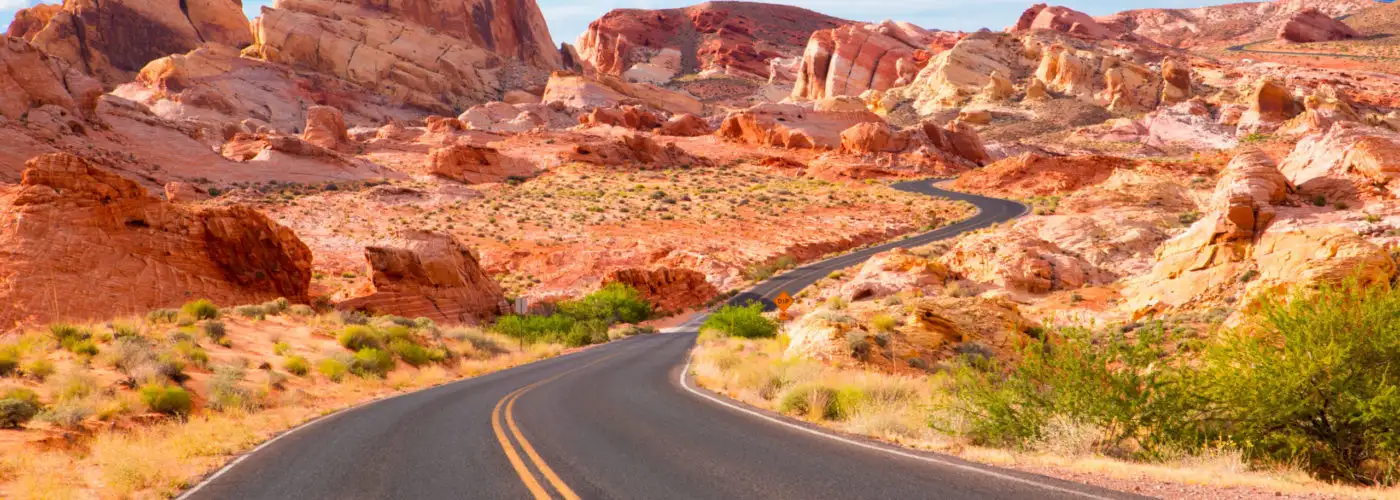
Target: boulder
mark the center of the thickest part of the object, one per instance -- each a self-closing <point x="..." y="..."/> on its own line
<point x="184" y="192"/>
<point x="635" y="149"/>
<point x="632" y="117"/>
<point x="1176" y="81"/>
<point x="955" y="76"/>
<point x="517" y="118"/>
<point x="579" y="91"/>
<point x="29" y="22"/>
<point x="1062" y="19"/>
<point x="475" y="164"/>
<point x="325" y="127"/>
<point x="431" y="275"/>
<point x="1020" y="260"/>
<point x="113" y="39"/>
<point x="1130" y="87"/>
<point x="998" y="88"/>
<point x="852" y="59"/>
<point x="891" y="272"/>
<point x="1311" y="25"/>
<point x="667" y="289"/>
<point x="154" y="253"/>
<point x="30" y="79"/>
<point x="1270" y="104"/>
<point x="793" y="125"/>
<point x="685" y="125"/>
<point x="1347" y="162"/>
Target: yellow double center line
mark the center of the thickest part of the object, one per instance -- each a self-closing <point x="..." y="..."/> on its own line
<point x="498" y="416"/>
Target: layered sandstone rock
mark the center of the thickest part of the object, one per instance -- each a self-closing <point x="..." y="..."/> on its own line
<point x="154" y="254"/>
<point x="439" y="55"/>
<point x="1310" y="25"/>
<point x="1270" y="104"/>
<point x="852" y="59"/>
<point x="793" y="125"/>
<point x="667" y="289"/>
<point x="29" y="22"/>
<point x="632" y="117"/>
<point x="578" y="91"/>
<point x="325" y="127"/>
<point x="955" y="76"/>
<point x="1020" y="260"/>
<point x="1062" y="19"/>
<point x="892" y="272"/>
<point x="685" y="125"/>
<point x="1347" y="162"/>
<point x="113" y="39"/>
<point x="1234" y="22"/>
<point x="517" y="118"/>
<point x="1031" y="174"/>
<point x="735" y="38"/>
<point x="475" y="164"/>
<point x="939" y="323"/>
<point x="632" y="150"/>
<point x="432" y="275"/>
<point x="1325" y="106"/>
<point x="30" y="79"/>
<point x="1131" y="87"/>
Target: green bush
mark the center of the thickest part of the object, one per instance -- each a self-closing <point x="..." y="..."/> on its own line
<point x="747" y="322"/>
<point x="1315" y="382"/>
<point x="371" y="362"/>
<point x="297" y="365"/>
<point x="14" y="413"/>
<point x="39" y="368"/>
<point x="169" y="400"/>
<point x="68" y="335"/>
<point x="614" y="303"/>
<point x="409" y="352"/>
<point x="302" y="310"/>
<point x="85" y="347"/>
<point x="819" y="401"/>
<point x="357" y="337"/>
<point x="534" y="329"/>
<point x="192" y="353"/>
<point x="200" y="309"/>
<point x="883" y="322"/>
<point x="67" y="414"/>
<point x="281" y="348"/>
<point x="124" y="329"/>
<point x="9" y="360"/>
<point x="22" y="394"/>
<point x="333" y="369"/>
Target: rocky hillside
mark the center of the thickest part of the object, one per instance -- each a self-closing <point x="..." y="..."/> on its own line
<point x="1220" y="24"/>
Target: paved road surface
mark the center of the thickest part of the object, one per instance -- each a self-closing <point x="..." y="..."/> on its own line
<point x="614" y="421"/>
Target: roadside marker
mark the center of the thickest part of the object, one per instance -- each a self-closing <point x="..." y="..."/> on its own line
<point x="783" y="301"/>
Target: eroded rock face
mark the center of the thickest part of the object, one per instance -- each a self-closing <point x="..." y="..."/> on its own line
<point x="632" y="117"/>
<point x="432" y="275"/>
<point x="634" y="149"/>
<point x="736" y="38"/>
<point x="154" y="253"/>
<point x="475" y="164"/>
<point x="793" y="125"/>
<point x="1270" y="105"/>
<point x="1176" y="78"/>
<point x="955" y="76"/>
<point x="325" y="127"/>
<point x="666" y="288"/>
<point x="1021" y="260"/>
<point x="1038" y="175"/>
<point x="892" y="272"/>
<point x="29" y="22"/>
<point x="113" y="39"/>
<point x="578" y="91"/>
<point x="1310" y="25"/>
<point x="438" y="55"/>
<point x="852" y="59"/>
<point x="1062" y="19"/>
<point x="29" y="79"/>
<point x="685" y="125"/>
<point x="1349" y="161"/>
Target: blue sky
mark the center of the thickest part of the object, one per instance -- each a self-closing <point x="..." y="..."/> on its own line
<point x="568" y="18"/>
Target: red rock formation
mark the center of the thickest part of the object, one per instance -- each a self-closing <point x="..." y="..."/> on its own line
<point x="631" y="117"/>
<point x="578" y="91"/>
<point x="1176" y="78"/>
<point x="113" y="39"/>
<point x="29" y="22"/>
<point x="1236" y="22"/>
<point x="685" y="125"/>
<point x="439" y="55"/>
<point x="1310" y="25"/>
<point x="432" y="275"/>
<point x="30" y="79"/>
<point x="152" y="253"/>
<point x="1062" y="19"/>
<point x="859" y="57"/>
<point x="474" y="164"/>
<point x="738" y="38"/>
<point x="634" y="149"/>
<point x="325" y="127"/>
<point x="1270" y="105"/>
<point x="667" y="289"/>
<point x="1036" y="175"/>
<point x="792" y="126"/>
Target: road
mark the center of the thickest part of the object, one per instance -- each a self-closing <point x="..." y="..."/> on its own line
<point x="619" y="420"/>
<point x="1245" y="48"/>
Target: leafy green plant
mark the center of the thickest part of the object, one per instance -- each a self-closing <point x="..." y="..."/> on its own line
<point x="200" y="310"/>
<point x="746" y="321"/>
<point x="170" y="400"/>
<point x="371" y="362"/>
<point x="333" y="369"/>
<point x="357" y="337"/>
<point x="14" y="413"/>
<point x="409" y="352"/>
<point x="297" y="365"/>
<point x="614" y="303"/>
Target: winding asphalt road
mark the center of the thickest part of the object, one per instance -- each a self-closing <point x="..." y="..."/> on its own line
<point x="620" y="420"/>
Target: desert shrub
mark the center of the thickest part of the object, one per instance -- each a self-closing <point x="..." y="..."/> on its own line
<point x="38" y="368"/>
<point x="746" y="321"/>
<point x="200" y="310"/>
<point x="225" y="392"/>
<point x="409" y="352"/>
<point x="191" y="353"/>
<point x="614" y="303"/>
<point x="534" y="328"/>
<point x="1308" y="384"/>
<point x="371" y="362"/>
<point x="1124" y="386"/>
<point x="883" y="322"/>
<point x="163" y="316"/>
<point x="763" y="271"/>
<point x="357" y="337"/>
<point x="251" y="312"/>
<point x="333" y="369"/>
<point x="302" y="310"/>
<point x="818" y="401"/>
<point x="67" y="335"/>
<point x="215" y="330"/>
<point x="72" y="385"/>
<point x="836" y="303"/>
<point x="14" y="413"/>
<point x="478" y="341"/>
<point x="67" y="414"/>
<point x="22" y="394"/>
<point x="397" y="333"/>
<point x="86" y="347"/>
<point x="297" y="365"/>
<point x="170" y="400"/>
<point x="424" y="323"/>
<point x="9" y="360"/>
<point x="1189" y="217"/>
<point x="858" y="344"/>
<point x="124" y="329"/>
<point x="276" y="307"/>
<point x="438" y="354"/>
<point x="281" y="348"/>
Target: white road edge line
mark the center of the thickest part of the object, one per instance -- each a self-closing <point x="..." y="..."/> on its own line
<point x="869" y="446"/>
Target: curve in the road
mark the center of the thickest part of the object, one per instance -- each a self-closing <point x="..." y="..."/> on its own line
<point x="615" y="421"/>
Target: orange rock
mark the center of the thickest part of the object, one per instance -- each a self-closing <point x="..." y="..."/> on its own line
<point x="155" y="254"/>
<point x="184" y="192"/>
<point x="33" y="79"/>
<point x="475" y="164"/>
<point x="29" y="22"/>
<point x="631" y="117"/>
<point x="869" y="137"/>
<point x="325" y="127"/>
<point x="1310" y="25"/>
<point x="1035" y="175"/>
<point x="667" y="289"/>
<point x="1349" y="161"/>
<point x="858" y="57"/>
<point x="635" y="149"/>
<point x="1176" y="78"/>
<point x="1270" y="105"/>
<point x="792" y="126"/>
<point x="685" y="125"/>
<point x="578" y="91"/>
<point x="1062" y="19"/>
<point x="432" y="275"/>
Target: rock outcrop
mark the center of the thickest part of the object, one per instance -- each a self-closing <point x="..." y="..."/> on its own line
<point x="685" y="125"/>
<point x="1031" y="174"/>
<point x="29" y="22"/>
<point x="578" y="91"/>
<point x="891" y="272"/>
<point x="325" y="127"/>
<point x="1062" y="19"/>
<point x="30" y="79"/>
<point x="852" y="59"/>
<point x="475" y="164"/>
<point x="1270" y="105"/>
<point x="432" y="275"/>
<point x="634" y="150"/>
<point x="734" y="38"/>
<point x="439" y="55"/>
<point x="113" y="39"/>
<point x="1310" y="25"/>
<point x="1349" y="161"/>
<point x="152" y="254"/>
<point x="793" y="125"/>
<point x="1176" y="81"/>
<point x="632" y="117"/>
<point x="667" y="289"/>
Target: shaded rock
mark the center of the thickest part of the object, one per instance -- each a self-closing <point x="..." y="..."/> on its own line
<point x="667" y="289"/>
<point x="1270" y="104"/>
<point x="685" y="125"/>
<point x="1176" y="79"/>
<point x="1310" y="25"/>
<point x="1062" y="19"/>
<point x="30" y="79"/>
<point x="432" y="275"/>
<point x="475" y="164"/>
<point x="1348" y="162"/>
<point x="792" y="125"/>
<point x="325" y="127"/>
